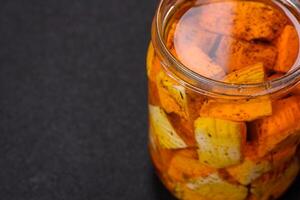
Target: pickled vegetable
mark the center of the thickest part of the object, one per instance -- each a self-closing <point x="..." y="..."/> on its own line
<point x="243" y="110"/>
<point x="184" y="129"/>
<point x="247" y="75"/>
<point x="280" y="129"/>
<point x="172" y="96"/>
<point x="273" y="184"/>
<point x="283" y="156"/>
<point x="215" y="188"/>
<point x="185" y="166"/>
<point x="235" y="54"/>
<point x="243" y="20"/>
<point x="162" y="128"/>
<point x="220" y="141"/>
<point x="153" y="64"/>
<point x="287" y="45"/>
<point x="252" y="166"/>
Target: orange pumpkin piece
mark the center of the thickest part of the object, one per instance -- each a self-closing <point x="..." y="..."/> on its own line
<point x="195" y="102"/>
<point x="245" y="20"/>
<point x="275" y="76"/>
<point x="161" y="158"/>
<point x="234" y="54"/>
<point x="296" y="89"/>
<point x="275" y="183"/>
<point x="280" y="130"/>
<point x="283" y="156"/>
<point x="244" y="110"/>
<point x="288" y="47"/>
<point x="153" y="96"/>
<point x="252" y="197"/>
<point x="184" y="129"/>
<point x="185" y="165"/>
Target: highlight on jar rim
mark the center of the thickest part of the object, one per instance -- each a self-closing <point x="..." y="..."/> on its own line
<point x="224" y="98"/>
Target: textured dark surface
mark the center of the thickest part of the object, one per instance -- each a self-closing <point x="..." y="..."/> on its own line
<point x="73" y="101"/>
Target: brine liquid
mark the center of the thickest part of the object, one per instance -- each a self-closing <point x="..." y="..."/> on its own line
<point x="220" y="37"/>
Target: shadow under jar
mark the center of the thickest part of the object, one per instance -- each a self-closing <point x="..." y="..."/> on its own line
<point x="224" y="98"/>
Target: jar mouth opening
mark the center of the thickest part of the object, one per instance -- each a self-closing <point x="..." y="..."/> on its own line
<point x="195" y="81"/>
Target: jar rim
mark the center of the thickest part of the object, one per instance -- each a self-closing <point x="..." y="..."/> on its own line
<point x="195" y="81"/>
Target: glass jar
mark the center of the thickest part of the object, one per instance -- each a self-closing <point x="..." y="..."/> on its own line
<point x="215" y="140"/>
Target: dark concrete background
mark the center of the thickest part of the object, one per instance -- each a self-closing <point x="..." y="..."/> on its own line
<point x="73" y="101"/>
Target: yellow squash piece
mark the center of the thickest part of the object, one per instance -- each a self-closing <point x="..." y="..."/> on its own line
<point x="280" y="130"/>
<point x="244" y="110"/>
<point x="233" y="54"/>
<point x="172" y="95"/>
<point x="245" y="20"/>
<point x="247" y="75"/>
<point x="185" y="166"/>
<point x="274" y="184"/>
<point x="220" y="142"/>
<point x="184" y="193"/>
<point x="163" y="130"/>
<point x="288" y="47"/>
<point x="249" y="170"/>
<point x="213" y="187"/>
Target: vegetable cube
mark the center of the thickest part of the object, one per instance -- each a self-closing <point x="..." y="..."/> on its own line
<point x="220" y="141"/>
<point x="247" y="75"/>
<point x="274" y="184"/>
<point x="249" y="170"/>
<point x="236" y="54"/>
<point x="244" y="20"/>
<point x="153" y="64"/>
<point x="185" y="166"/>
<point x="280" y="130"/>
<point x="172" y="95"/>
<point x="243" y="110"/>
<point x="163" y="130"/>
<point x="288" y="46"/>
<point x="213" y="187"/>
